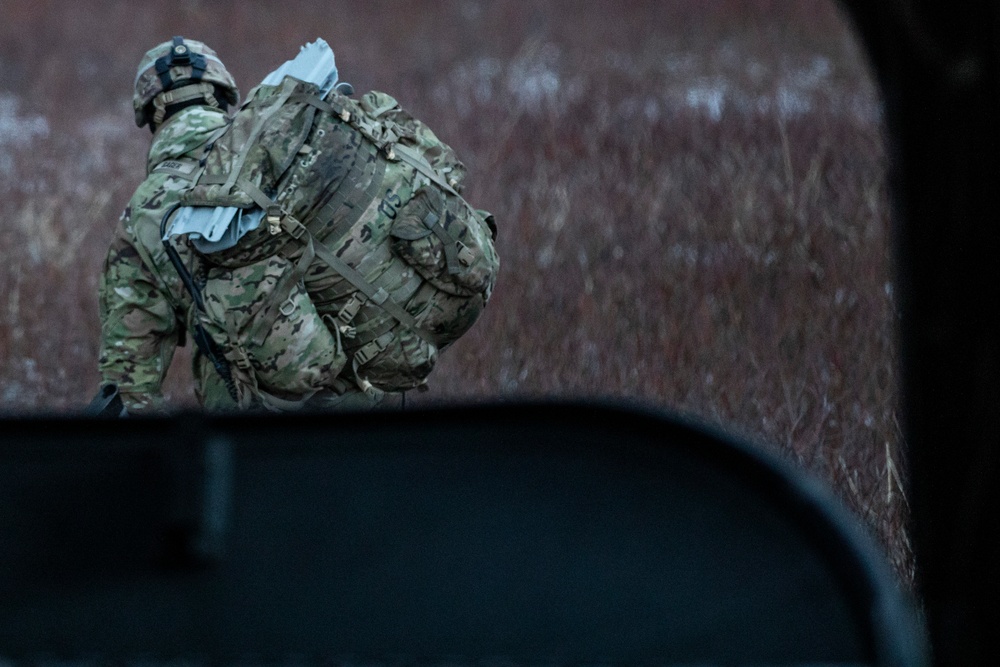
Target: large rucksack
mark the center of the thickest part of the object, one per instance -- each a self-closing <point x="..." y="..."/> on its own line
<point x="365" y="261"/>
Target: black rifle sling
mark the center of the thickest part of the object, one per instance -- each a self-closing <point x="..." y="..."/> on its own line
<point x="202" y="340"/>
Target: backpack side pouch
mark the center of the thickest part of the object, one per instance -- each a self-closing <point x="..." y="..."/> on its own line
<point x="447" y="242"/>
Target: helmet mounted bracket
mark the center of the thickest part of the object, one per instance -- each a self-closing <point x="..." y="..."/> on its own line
<point x="180" y="54"/>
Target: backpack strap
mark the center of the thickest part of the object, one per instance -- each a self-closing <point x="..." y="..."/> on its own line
<point x="280" y="298"/>
<point x="287" y="88"/>
<point x="323" y="105"/>
<point x="278" y="221"/>
<point x="417" y="161"/>
<point x="387" y="140"/>
<point x="376" y="295"/>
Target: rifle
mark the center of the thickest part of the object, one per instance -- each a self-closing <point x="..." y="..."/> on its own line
<point x="107" y="403"/>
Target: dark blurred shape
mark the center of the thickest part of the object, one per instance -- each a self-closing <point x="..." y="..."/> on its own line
<point x="938" y="64"/>
<point x="545" y="534"/>
<point x="107" y="403"/>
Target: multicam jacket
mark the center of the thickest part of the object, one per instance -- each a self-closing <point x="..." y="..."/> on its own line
<point x="143" y="303"/>
<point x="370" y="262"/>
<point x="146" y="310"/>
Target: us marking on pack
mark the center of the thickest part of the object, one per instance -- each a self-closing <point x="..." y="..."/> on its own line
<point x="181" y="168"/>
<point x="389" y="207"/>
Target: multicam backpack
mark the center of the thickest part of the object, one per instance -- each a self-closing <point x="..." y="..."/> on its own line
<point x="363" y="247"/>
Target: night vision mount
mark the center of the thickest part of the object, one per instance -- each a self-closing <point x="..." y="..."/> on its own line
<point x="180" y="54"/>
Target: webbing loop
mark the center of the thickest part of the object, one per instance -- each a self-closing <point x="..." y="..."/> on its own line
<point x="359" y="281"/>
<point x="323" y="105"/>
<point x="417" y="161"/>
<point x="450" y="243"/>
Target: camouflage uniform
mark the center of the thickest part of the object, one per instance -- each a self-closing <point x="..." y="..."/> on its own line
<point x="145" y="307"/>
<point x="369" y="264"/>
<point x="143" y="304"/>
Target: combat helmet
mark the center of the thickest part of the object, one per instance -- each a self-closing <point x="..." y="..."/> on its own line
<point x="179" y="71"/>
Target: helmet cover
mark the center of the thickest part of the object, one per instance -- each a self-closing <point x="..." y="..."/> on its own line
<point x="174" y="64"/>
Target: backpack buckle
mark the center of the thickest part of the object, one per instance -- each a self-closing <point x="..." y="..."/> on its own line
<point x="350" y="309"/>
<point x="274" y="220"/>
<point x="287" y="308"/>
<point x="295" y="228"/>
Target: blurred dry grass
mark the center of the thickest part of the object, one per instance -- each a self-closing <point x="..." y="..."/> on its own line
<point x="692" y="202"/>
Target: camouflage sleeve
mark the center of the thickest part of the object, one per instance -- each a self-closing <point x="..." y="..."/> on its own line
<point x="139" y="330"/>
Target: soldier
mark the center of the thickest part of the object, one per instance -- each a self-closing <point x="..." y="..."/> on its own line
<point x="315" y="248"/>
<point x="182" y="92"/>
